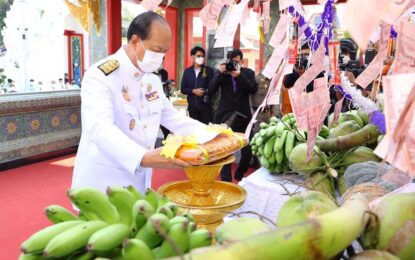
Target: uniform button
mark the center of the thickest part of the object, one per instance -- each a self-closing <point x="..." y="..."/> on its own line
<point x="145" y="126"/>
<point x="136" y="74"/>
<point x="148" y="147"/>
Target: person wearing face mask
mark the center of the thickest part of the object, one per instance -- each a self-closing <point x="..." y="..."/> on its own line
<point x="236" y="84"/>
<point x="122" y="108"/>
<point x="195" y="82"/>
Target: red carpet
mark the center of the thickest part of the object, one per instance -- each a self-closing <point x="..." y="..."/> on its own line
<point x="27" y="190"/>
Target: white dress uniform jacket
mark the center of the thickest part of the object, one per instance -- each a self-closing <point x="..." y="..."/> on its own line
<point x="122" y="109"/>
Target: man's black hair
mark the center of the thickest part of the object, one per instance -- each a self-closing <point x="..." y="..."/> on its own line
<point x="195" y="49"/>
<point x="32" y="80"/>
<point x="9" y="80"/>
<point x="236" y="53"/>
<point x="141" y="25"/>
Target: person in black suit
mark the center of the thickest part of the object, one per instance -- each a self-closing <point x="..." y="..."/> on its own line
<point x="195" y="82"/>
<point x="236" y="84"/>
<point x="167" y="84"/>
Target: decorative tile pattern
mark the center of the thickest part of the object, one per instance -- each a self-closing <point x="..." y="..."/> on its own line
<point x="39" y="123"/>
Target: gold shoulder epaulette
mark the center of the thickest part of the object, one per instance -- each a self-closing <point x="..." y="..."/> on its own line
<point x="109" y="66"/>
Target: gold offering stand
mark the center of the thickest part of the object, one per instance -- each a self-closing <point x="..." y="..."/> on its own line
<point x="208" y="200"/>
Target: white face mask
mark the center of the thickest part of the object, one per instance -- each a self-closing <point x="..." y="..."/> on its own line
<point x="151" y="60"/>
<point x="199" y="60"/>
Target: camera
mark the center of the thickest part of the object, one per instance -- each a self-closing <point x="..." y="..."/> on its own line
<point x="353" y="66"/>
<point x="230" y="64"/>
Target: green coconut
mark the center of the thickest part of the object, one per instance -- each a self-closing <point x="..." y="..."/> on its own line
<point x="361" y="154"/>
<point x="302" y="206"/>
<point x="344" y="128"/>
<point x="374" y="255"/>
<point x="298" y="160"/>
<point x="239" y="229"/>
<point x="396" y="232"/>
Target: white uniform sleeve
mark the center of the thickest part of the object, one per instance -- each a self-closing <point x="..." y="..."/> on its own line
<point x="98" y="120"/>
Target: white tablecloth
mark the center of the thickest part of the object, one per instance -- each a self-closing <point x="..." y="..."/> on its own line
<point x="264" y="195"/>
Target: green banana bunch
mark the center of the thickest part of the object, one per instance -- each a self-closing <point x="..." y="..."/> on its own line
<point x="179" y="234"/>
<point x="108" y="238"/>
<point x="123" y="201"/>
<point x="57" y="214"/>
<point x="94" y="201"/>
<point x="150" y="233"/>
<point x="142" y="210"/>
<point x="134" y="249"/>
<point x="38" y="241"/>
<point x="200" y="238"/>
<point x="72" y="239"/>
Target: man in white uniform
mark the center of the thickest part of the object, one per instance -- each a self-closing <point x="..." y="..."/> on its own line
<point x="123" y="105"/>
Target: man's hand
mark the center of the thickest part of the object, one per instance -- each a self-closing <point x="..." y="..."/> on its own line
<point x="198" y="92"/>
<point x="153" y="159"/>
<point x="235" y="73"/>
<point x="222" y="68"/>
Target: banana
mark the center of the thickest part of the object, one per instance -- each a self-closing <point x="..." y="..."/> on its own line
<point x="23" y="256"/>
<point x="111" y="254"/>
<point x="152" y="197"/>
<point x="166" y="211"/>
<point x="134" y="192"/>
<point x="123" y="201"/>
<point x="279" y="143"/>
<point x="58" y="214"/>
<point x="192" y="227"/>
<point x="38" y="241"/>
<point x="180" y="236"/>
<point x="72" y="239"/>
<point x="269" y="146"/>
<point x="189" y="216"/>
<point x="280" y="128"/>
<point x="263" y="125"/>
<point x="173" y="207"/>
<point x="94" y="201"/>
<point x="279" y="156"/>
<point x="142" y="210"/>
<point x="289" y="119"/>
<point x="200" y="238"/>
<point x="270" y="131"/>
<point x="151" y="232"/>
<point x="87" y="216"/>
<point x="135" y="249"/>
<point x="178" y="219"/>
<point x="162" y="201"/>
<point x="82" y="256"/>
<point x="289" y="144"/>
<point x="108" y="238"/>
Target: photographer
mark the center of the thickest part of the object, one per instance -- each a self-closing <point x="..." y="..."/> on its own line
<point x="195" y="82"/>
<point x="236" y="84"/>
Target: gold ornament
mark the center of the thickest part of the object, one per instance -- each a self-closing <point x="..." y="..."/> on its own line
<point x="11" y="128"/>
<point x="82" y="12"/>
<point x="55" y="121"/>
<point x="35" y="124"/>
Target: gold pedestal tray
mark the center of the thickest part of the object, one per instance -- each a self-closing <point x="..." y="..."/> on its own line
<point x="208" y="200"/>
